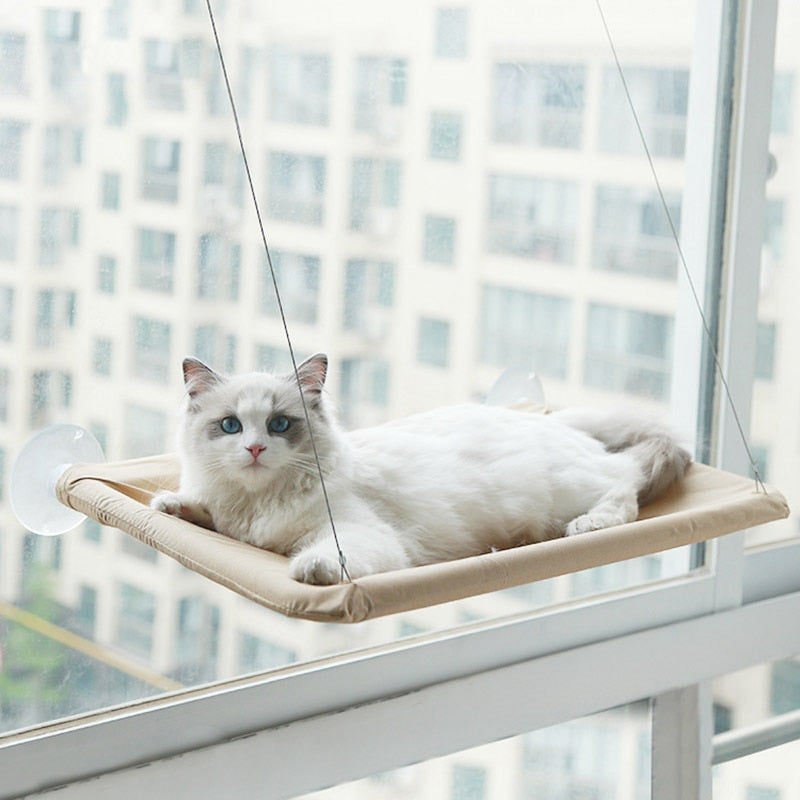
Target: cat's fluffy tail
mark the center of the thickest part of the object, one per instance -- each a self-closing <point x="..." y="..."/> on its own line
<point x="657" y="450"/>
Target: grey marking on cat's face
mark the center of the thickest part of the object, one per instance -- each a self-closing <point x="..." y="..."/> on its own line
<point x="295" y="433"/>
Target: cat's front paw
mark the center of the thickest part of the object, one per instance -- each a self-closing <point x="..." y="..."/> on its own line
<point x="316" y="568"/>
<point x="178" y="505"/>
<point x="168" y="502"/>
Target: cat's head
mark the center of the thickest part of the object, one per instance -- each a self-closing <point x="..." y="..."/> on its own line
<point x="251" y="430"/>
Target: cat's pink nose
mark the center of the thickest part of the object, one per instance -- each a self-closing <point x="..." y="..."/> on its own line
<point x="256" y="450"/>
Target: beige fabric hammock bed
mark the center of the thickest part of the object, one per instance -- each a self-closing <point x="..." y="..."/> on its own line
<point x="707" y="503"/>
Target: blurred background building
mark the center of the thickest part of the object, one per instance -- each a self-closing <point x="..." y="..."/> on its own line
<point x="446" y="193"/>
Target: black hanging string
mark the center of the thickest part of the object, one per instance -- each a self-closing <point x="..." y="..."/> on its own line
<point x="342" y="559"/>
<point x="706" y="329"/>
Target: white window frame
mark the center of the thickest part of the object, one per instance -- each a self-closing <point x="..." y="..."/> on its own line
<point x="353" y="715"/>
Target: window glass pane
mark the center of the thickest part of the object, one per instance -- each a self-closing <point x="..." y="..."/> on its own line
<point x="750" y="698"/>
<point x="775" y="422"/>
<point x="602" y="757"/>
<point x="442" y="200"/>
<point x="445" y="136"/>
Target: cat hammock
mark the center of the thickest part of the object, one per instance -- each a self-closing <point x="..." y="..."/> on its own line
<point x="706" y="504"/>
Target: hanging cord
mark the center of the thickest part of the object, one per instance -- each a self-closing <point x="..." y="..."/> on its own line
<point x="706" y="329"/>
<point x="342" y="560"/>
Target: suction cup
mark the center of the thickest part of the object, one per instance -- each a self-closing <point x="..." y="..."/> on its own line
<point x="516" y="386"/>
<point x="39" y="465"/>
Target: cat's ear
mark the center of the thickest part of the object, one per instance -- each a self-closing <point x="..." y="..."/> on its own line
<point x="311" y="374"/>
<point x="198" y="377"/>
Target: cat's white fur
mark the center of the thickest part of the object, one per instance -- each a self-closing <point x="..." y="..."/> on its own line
<point x="432" y="487"/>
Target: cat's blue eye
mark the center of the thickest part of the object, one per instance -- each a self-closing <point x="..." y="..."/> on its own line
<point x="231" y="425"/>
<point x="279" y="424"/>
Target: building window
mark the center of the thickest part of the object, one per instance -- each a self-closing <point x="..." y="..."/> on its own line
<point x="452" y="25"/>
<point x="62" y="34"/>
<point x="660" y="97"/>
<point x="723" y="718"/>
<point x="5" y="391"/>
<point x="196" y="640"/>
<point x="469" y="783"/>
<point x="445" y="136"/>
<point x="297" y="188"/>
<point x="136" y="620"/>
<point x="101" y="359"/>
<point x="6" y="313"/>
<point x="539" y="104"/>
<point x="145" y="431"/>
<point x="156" y="260"/>
<point x="214" y="161"/>
<point x="9" y="226"/>
<point x="161" y="170"/>
<point x="116" y="99"/>
<point x="762" y="793"/>
<point x="256" y="654"/>
<point x="628" y="351"/>
<point x="773" y="229"/>
<point x="53" y="155"/>
<point x="765" y="350"/>
<point x="364" y="386"/>
<point x="109" y="191"/>
<point x="152" y="341"/>
<point x="297" y="276"/>
<point x="575" y="759"/>
<point x="49" y="390"/>
<point x="217" y="101"/>
<point x="12" y="62"/>
<point x="10" y="149"/>
<point x="86" y="612"/>
<point x="106" y="274"/>
<point x="214" y="347"/>
<point x="299" y="87"/>
<point x="433" y="342"/>
<point x="381" y="88"/>
<point x="163" y="88"/>
<point x="439" y="241"/>
<point x="782" y="94"/>
<point x="59" y="228"/>
<point x="632" y="233"/>
<point x="117" y="19"/>
<point x="249" y="62"/>
<point x="525" y="329"/>
<point x="218" y="268"/>
<point x="533" y="217"/>
<point x="55" y="311"/>
<point x="785" y="687"/>
<point x="374" y="195"/>
<point x="368" y="294"/>
<point x="275" y="360"/>
<point x="62" y="25"/>
<point x="760" y="455"/>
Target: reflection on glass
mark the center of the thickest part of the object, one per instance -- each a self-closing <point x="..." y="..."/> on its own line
<point x="443" y="198"/>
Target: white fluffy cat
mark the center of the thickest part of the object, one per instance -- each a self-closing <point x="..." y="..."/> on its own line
<point x="432" y="487"/>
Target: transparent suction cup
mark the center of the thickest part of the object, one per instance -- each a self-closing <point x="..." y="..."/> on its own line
<point x="516" y="386"/>
<point x="39" y="465"/>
